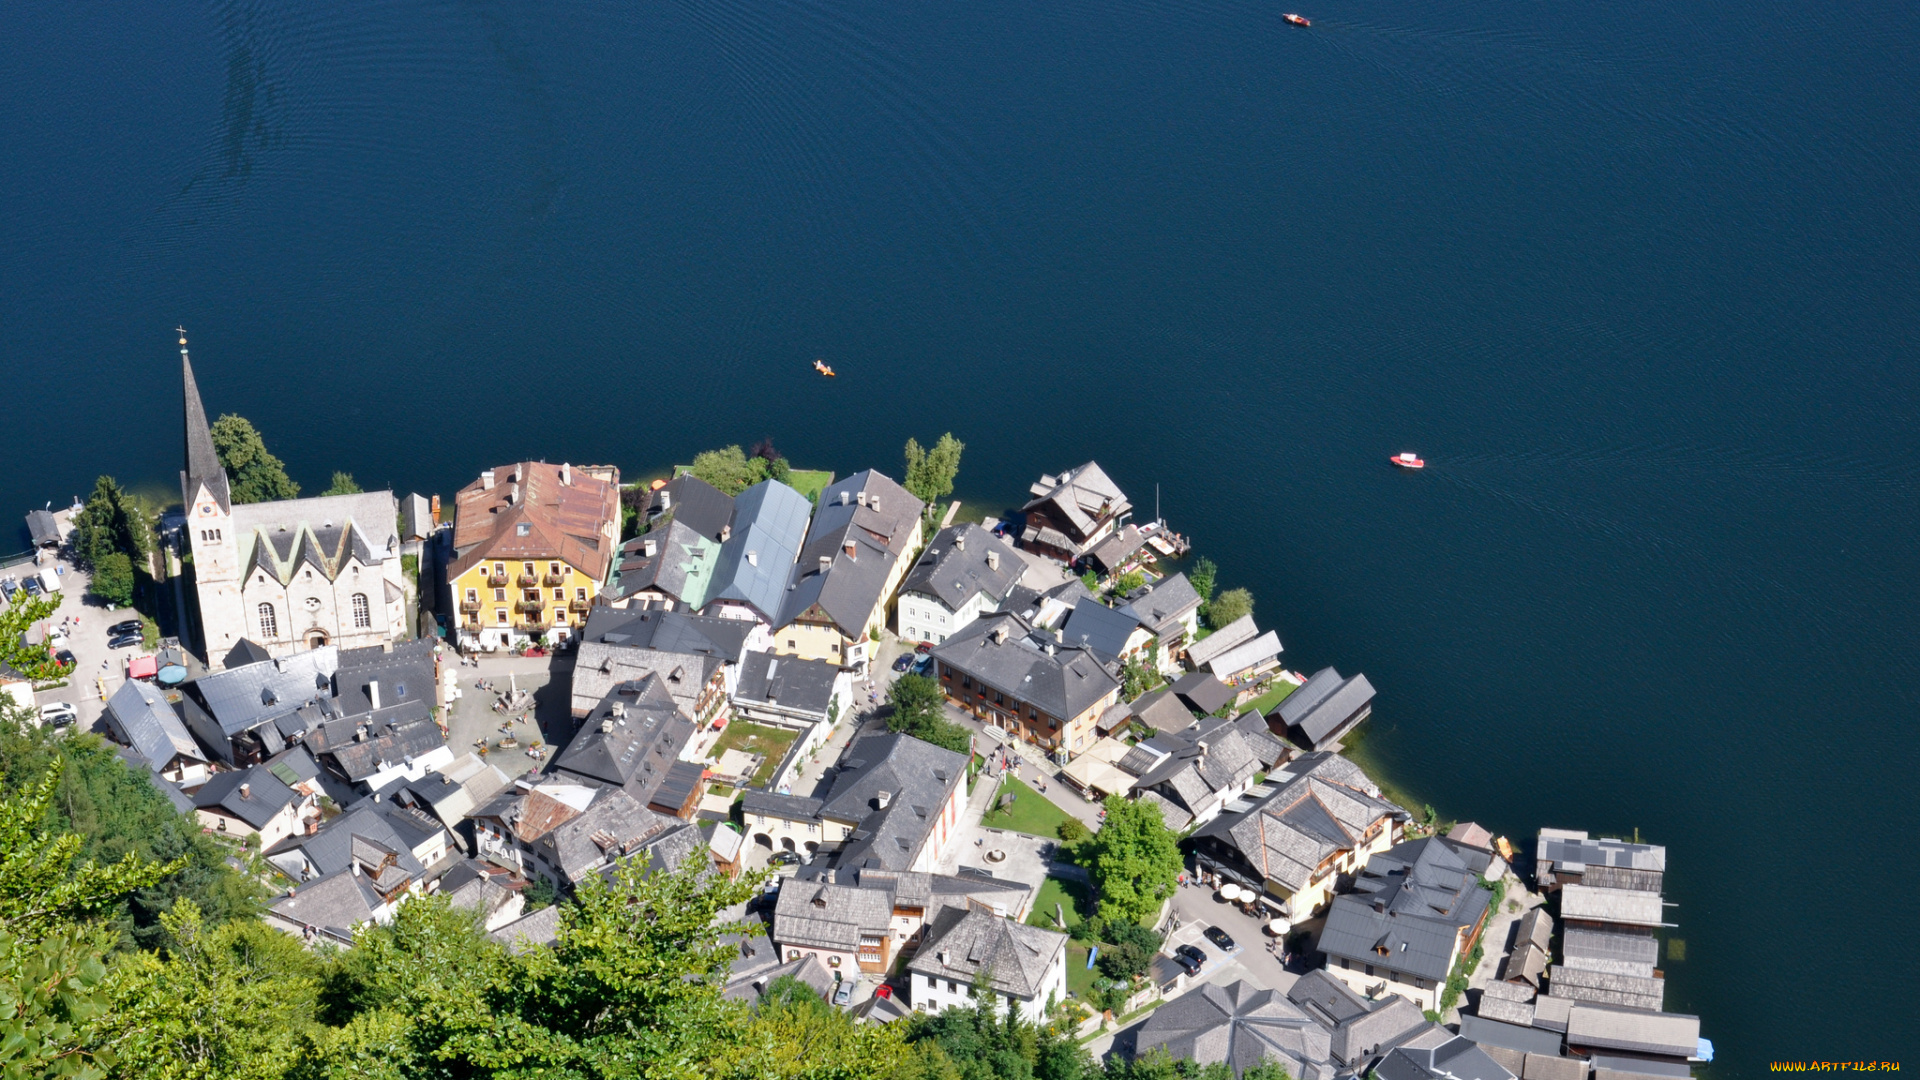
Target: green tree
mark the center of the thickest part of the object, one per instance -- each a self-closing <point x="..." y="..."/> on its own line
<point x="919" y="710"/>
<point x="1201" y="577"/>
<point x="343" y="484"/>
<point x="1229" y="606"/>
<point x="1136" y="678"/>
<point x="729" y="469"/>
<point x="1091" y="580"/>
<point x="930" y="472"/>
<point x="1124" y="961"/>
<point x="981" y="1042"/>
<point x="1127" y="582"/>
<point x="113" y="578"/>
<point x="253" y="474"/>
<point x="41" y="885"/>
<point x="109" y="522"/>
<point x="1134" y="860"/>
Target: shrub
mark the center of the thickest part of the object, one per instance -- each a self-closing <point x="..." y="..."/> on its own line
<point x="1071" y="831"/>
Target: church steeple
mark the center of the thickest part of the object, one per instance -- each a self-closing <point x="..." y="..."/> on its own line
<point x="203" y="462"/>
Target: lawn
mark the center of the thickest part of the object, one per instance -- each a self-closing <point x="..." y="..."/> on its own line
<point x="1079" y="979"/>
<point x="756" y="739"/>
<point x="808" y="482"/>
<point x="1071" y="895"/>
<point x="1031" y="813"/>
<point x="1266" y="702"/>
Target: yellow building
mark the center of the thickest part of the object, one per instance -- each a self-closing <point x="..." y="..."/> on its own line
<point x="532" y="547"/>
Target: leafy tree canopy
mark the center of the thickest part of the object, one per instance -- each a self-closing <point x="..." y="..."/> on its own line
<point x="733" y="470"/>
<point x="113" y="578"/>
<point x="109" y="522"/>
<point x="1134" y="860"/>
<point x="253" y="474"/>
<point x="343" y="484"/>
<point x="919" y="710"/>
<point x="1201" y="577"/>
<point x="930" y="472"/>
<point x="1229" y="606"/>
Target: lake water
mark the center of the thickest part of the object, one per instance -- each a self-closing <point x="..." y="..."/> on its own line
<point x="1638" y="279"/>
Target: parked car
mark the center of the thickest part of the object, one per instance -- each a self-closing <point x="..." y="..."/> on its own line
<point x="64" y="657"/>
<point x="58" y="713"/>
<point x="923" y="665"/>
<point x="123" y="641"/>
<point x="904" y="662"/>
<point x="1187" y="963"/>
<point x="843" y="993"/>
<point x="1191" y="952"/>
<point x="923" y="648"/>
<point x="784" y="858"/>
<point x="1220" y="938"/>
<point x="130" y="626"/>
<point x="32" y="585"/>
<point x="10" y="587"/>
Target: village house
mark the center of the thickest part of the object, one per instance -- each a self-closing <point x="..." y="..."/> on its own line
<point x="632" y="741"/>
<point x="1204" y="768"/>
<point x="139" y="716"/>
<point x="1324" y="709"/>
<point x="697" y="682"/>
<point x="861" y="918"/>
<point x="1072" y="512"/>
<point x="243" y="713"/>
<point x="1239" y="1025"/>
<point x="808" y="696"/>
<point x="1025" y="682"/>
<point x="507" y="829"/>
<point x="290" y="574"/>
<point x="865" y="535"/>
<point x="1112" y="634"/>
<point x="1312" y="826"/>
<point x="965" y="572"/>
<point x="1024" y="967"/>
<point x="757" y="558"/>
<point x="1201" y="654"/>
<point x="1415" y="909"/>
<point x="895" y="805"/>
<point x="1169" y="610"/>
<point x="533" y="544"/>
<point x="614" y="828"/>
<point x="253" y="802"/>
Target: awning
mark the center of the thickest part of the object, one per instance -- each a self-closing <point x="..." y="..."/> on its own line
<point x="143" y="667"/>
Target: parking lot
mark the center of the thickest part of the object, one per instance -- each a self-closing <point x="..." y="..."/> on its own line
<point x="97" y="670"/>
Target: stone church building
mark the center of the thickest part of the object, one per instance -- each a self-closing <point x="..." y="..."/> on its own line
<point x="290" y="575"/>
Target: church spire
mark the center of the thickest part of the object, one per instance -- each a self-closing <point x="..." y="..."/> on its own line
<point x="203" y="462"/>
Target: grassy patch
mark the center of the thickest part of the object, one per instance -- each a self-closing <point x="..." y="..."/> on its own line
<point x="1070" y="895"/>
<point x="808" y="482"/>
<point x="1079" y="979"/>
<point x="1266" y="702"/>
<point x="756" y="739"/>
<point x="1031" y="813"/>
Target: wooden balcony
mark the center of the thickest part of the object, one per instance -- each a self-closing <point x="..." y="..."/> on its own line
<point x="528" y="581"/>
<point x="530" y="607"/>
<point x="579" y="605"/>
<point x="471" y="607"/>
<point x="554" y="579"/>
<point x="498" y="581"/>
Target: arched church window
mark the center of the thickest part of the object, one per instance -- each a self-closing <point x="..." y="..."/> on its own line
<point x="362" y="613"/>
<point x="269" y="623"/>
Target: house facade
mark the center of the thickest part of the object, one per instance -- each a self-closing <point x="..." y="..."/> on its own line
<point x="1023" y="681"/>
<point x="1024" y="967"/>
<point x="1069" y="514"/>
<point x="292" y="574"/>
<point x="964" y="573"/>
<point x="1415" y="909"/>
<point x="865" y="535"/>
<point x="895" y="805"/>
<point x="533" y="545"/>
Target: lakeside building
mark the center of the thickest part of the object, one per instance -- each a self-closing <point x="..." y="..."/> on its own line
<point x="964" y="573"/>
<point x="1415" y="909"/>
<point x="532" y="546"/>
<point x="290" y="574"/>
<point x="1071" y="513"/>
<point x="1324" y="709"/>
<point x="1169" y="609"/>
<point x="863" y="540"/>
<point x="1022" y="680"/>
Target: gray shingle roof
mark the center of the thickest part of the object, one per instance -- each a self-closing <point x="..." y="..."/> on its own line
<point x="337" y="903"/>
<point x="147" y="723"/>
<point x="1063" y="683"/>
<point x="816" y="914"/>
<point x="265" y="797"/>
<point x="1310" y="814"/>
<point x="916" y="777"/>
<point x="331" y="850"/>
<point x="1573" y="852"/>
<point x="629" y="740"/>
<point x="1100" y="628"/>
<point x="792" y="683"/>
<point x="613" y="827"/>
<point x="1324" y="704"/>
<point x="399" y="743"/>
<point x="1079" y="498"/>
<point x="1527" y="1040"/>
<point x="242" y="698"/>
<point x="1240" y="1025"/>
<point x="1261" y="650"/>
<point x="773" y="804"/>
<point x="1162" y="711"/>
<point x="668" y="631"/>
<point x="1203" y="691"/>
<point x="1444" y="1056"/>
<point x="1238" y="632"/>
<point x="953" y="568"/>
<point x="404" y="674"/>
<point x="1627" y="907"/>
<point x="1604" y="1027"/>
<point x="848" y="591"/>
<point x="681" y="565"/>
<point x="599" y="667"/>
<point x="1165" y="604"/>
<point x="960" y="944"/>
<point x="1604" y="950"/>
<point x="694" y="503"/>
<point x="1606" y="988"/>
<point x="530" y="931"/>
<point x="203" y="461"/>
<point x="1410" y="901"/>
<point x="769" y="527"/>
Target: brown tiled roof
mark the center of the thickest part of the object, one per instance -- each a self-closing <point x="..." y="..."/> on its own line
<point x="577" y="521"/>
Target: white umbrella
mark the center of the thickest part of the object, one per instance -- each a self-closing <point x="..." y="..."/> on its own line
<point x="1279" y="927"/>
<point x="1230" y="891"/>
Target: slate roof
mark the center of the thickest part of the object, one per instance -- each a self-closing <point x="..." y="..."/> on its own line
<point x="1527" y="1040"/>
<point x="534" y="512"/>
<point x="773" y="804"/>
<point x="1240" y="1025"/>
<point x="769" y="527"/>
<point x="1080" y="497"/>
<point x="918" y="778"/>
<point x="1100" y="628"/>
<point x="1203" y="691"/>
<point x="848" y="590"/>
<point x="1203" y="767"/>
<point x="1411" y="900"/>
<point x="1242" y="657"/>
<point x="816" y="914"/>
<point x="182" y="802"/>
<point x="1606" y="988"/>
<point x="1119" y="546"/>
<point x="1238" y="632"/>
<point x="1623" y="877"/>
<point x="461" y="787"/>
<point x="1323" y="703"/>
<point x="242" y="698"/>
<point x="1392" y="1019"/>
<point x="1536" y="926"/>
<point x="1573" y="852"/>
<point x="404" y="674"/>
<point x="1604" y="950"/>
<point x="1507" y="1010"/>
<point x="332" y="849"/>
<point x="143" y="718"/>
<point x="1063" y="683"/>
<point x="337" y="902"/>
<point x="1629" y="907"/>
<point x="1602" y="1027"/>
<point x="530" y="931"/>
<point x="1310" y="814"/>
<point x="42" y="529"/>
<point x="629" y="740"/>
<point x="203" y="461"/>
<point x="325" y="533"/>
<point x="1440" y="1055"/>
<point x="615" y="826"/>
<point x="681" y="565"/>
<point x="953" y="568"/>
<point x="693" y="502"/>
<point x="960" y="944"/>
<point x="1614" y="1067"/>
<point x="598" y="668"/>
<point x="1163" y="606"/>
<point x="1527" y="963"/>
<point x="1267" y="748"/>
<point x="469" y="885"/>
<point x="266" y="795"/>
<point x="792" y="683"/>
<point x="1162" y="711"/>
<point x="398" y="743"/>
<point x="1328" y="1000"/>
<point x="668" y="631"/>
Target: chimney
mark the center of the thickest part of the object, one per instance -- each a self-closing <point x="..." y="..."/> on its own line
<point x="373" y="692"/>
<point x="486" y="480"/>
<point x="863" y="498"/>
<point x="826" y="563"/>
<point x="726" y="533"/>
<point x="606" y="725"/>
<point x="1050" y="648"/>
<point x="943" y="958"/>
<point x="993" y="560"/>
<point x="1201" y="746"/>
<point x="753" y="558"/>
<point x="960" y="542"/>
<point x="666" y="500"/>
<point x="881" y="800"/>
<point x="356" y="868"/>
<point x="874" y="503"/>
<point x="647" y="549"/>
<point x="246" y="791"/>
<point x="566" y="474"/>
<point x="852" y="550"/>
<point x="513" y="494"/>
<point x="1000" y="634"/>
<point x="845" y="495"/>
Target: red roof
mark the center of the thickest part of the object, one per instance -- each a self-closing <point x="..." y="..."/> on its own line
<point x="143" y="667"/>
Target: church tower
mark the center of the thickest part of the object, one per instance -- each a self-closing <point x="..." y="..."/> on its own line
<point x="216" y="550"/>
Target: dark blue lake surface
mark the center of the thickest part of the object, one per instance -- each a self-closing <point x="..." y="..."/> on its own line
<point x="1640" y="280"/>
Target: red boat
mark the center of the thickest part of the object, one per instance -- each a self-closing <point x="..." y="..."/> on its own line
<point x="1408" y="461"/>
<point x="1301" y="20"/>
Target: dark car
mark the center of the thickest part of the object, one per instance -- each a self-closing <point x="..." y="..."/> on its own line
<point x="9" y="586"/>
<point x="123" y="641"/>
<point x="905" y="662"/>
<point x="1220" y="938"/>
<point x="64" y="657"/>
<point x="32" y="585"/>
<point x="1191" y="952"/>
<point x="131" y="626"/>
<point x="784" y="858"/>
<point x="923" y="665"/>
<point x="1187" y="963"/>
